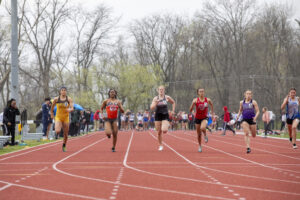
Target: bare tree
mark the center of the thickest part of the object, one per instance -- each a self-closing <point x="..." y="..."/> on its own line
<point x="41" y="27"/>
<point x="157" y="42"/>
<point x="92" y="31"/>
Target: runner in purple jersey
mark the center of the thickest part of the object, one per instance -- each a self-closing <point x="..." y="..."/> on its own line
<point x="250" y="111"/>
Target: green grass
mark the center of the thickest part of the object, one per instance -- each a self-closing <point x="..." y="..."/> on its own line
<point x="29" y="143"/>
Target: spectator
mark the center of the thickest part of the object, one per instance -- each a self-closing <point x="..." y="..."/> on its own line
<point x="227" y="118"/>
<point x="96" y="120"/>
<point x="131" y="120"/>
<point x="272" y="120"/>
<point x="184" y="117"/>
<point x="266" y="118"/>
<point x="139" y="117"/>
<point x="46" y="118"/>
<point x="92" y="119"/>
<point x="82" y="120"/>
<point x="214" y="121"/>
<point x="152" y="120"/>
<point x="191" y="121"/>
<point x="87" y="115"/>
<point x="9" y="118"/>
<point x="283" y="121"/>
<point x="123" y="119"/>
<point x="146" y="118"/>
<point x="4" y="129"/>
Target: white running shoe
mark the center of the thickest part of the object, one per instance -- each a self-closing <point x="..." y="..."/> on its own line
<point x="160" y="148"/>
<point x="205" y="139"/>
<point x="200" y="149"/>
<point x="295" y="147"/>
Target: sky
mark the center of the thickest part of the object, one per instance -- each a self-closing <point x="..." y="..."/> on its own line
<point x="137" y="9"/>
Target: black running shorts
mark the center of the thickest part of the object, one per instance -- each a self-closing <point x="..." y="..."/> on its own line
<point x="249" y="121"/>
<point x="161" y="117"/>
<point x="199" y="121"/>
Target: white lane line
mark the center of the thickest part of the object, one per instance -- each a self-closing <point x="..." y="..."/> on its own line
<point x="5" y="187"/>
<point x="52" y="191"/>
<point x="125" y="164"/>
<point x="253" y="162"/>
<point x="207" y="182"/>
<point x="255" y="148"/>
<point x="237" y="186"/>
<point x="54" y="166"/>
<point x="36" y="148"/>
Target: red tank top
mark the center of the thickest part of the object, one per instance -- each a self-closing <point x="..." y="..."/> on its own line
<point x="201" y="109"/>
<point x="112" y="110"/>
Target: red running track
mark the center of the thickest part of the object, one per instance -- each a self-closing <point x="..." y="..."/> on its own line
<point x="89" y="170"/>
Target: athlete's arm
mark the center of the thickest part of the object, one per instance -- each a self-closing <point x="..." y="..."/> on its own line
<point x="169" y="99"/>
<point x="71" y="108"/>
<point x="285" y="101"/>
<point x="121" y="107"/>
<point x="192" y="105"/>
<point x="103" y="106"/>
<point x="52" y="107"/>
<point x="256" y="109"/>
<point x="154" y="103"/>
<point x="211" y="106"/>
<point x="240" y="110"/>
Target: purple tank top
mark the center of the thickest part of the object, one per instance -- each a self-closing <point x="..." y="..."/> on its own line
<point x="248" y="110"/>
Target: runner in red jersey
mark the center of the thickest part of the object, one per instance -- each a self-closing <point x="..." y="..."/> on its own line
<point x="201" y="117"/>
<point x="112" y="105"/>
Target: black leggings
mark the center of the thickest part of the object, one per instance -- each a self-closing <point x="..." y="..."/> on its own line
<point x="11" y="131"/>
<point x="267" y="127"/>
<point x="227" y="127"/>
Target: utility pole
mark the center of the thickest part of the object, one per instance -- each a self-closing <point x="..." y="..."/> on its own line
<point x="14" y="85"/>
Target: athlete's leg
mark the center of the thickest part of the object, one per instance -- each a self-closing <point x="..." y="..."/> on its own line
<point x="115" y="133"/>
<point x="246" y="128"/>
<point x="198" y="129"/>
<point x="253" y="130"/>
<point x="203" y="129"/>
<point x="290" y="130"/>
<point x="294" y="130"/>
<point x="158" y="125"/>
<point x="164" y="126"/>
<point x="58" y="127"/>
<point x="108" y="128"/>
<point x="65" y="126"/>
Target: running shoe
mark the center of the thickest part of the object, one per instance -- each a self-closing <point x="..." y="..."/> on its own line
<point x="64" y="149"/>
<point x="295" y="146"/>
<point x="200" y="149"/>
<point x="205" y="139"/>
<point x="113" y="149"/>
<point x="108" y="136"/>
<point x="248" y="150"/>
<point x="160" y="148"/>
<point x="291" y="139"/>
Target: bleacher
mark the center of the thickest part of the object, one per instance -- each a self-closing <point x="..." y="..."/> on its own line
<point x="3" y="140"/>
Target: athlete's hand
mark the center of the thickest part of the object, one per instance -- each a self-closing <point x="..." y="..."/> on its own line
<point x="254" y="119"/>
<point x="8" y="123"/>
<point x="156" y="101"/>
<point x="52" y="115"/>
